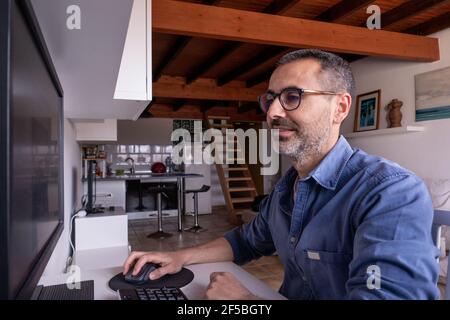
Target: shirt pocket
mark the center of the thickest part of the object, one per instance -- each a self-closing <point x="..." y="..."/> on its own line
<point x="326" y="272"/>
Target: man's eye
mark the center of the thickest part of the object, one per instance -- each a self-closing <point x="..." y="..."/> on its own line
<point x="291" y="98"/>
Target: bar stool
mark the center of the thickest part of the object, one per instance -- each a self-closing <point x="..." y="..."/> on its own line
<point x="140" y="206"/>
<point x="196" y="228"/>
<point x="159" y="190"/>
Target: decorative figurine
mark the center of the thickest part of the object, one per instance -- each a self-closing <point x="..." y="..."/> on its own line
<point x="394" y="114"/>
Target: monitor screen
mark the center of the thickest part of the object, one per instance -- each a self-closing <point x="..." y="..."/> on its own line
<point x="34" y="164"/>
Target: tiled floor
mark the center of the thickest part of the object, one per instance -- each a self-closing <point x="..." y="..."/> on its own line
<point x="268" y="269"/>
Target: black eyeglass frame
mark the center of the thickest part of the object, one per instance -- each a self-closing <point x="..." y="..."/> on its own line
<point x="300" y="91"/>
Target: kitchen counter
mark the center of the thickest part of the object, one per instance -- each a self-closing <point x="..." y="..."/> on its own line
<point x="131" y="188"/>
<point x="147" y="176"/>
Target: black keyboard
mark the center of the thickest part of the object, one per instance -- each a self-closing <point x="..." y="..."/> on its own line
<point x="152" y="294"/>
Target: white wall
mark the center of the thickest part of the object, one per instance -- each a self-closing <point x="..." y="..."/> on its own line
<point x="144" y="131"/>
<point x="426" y="153"/>
<point x="72" y="194"/>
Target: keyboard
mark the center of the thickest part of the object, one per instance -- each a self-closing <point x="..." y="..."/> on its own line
<point x="152" y="294"/>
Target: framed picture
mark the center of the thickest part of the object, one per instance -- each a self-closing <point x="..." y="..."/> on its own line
<point x="433" y="95"/>
<point x="367" y="111"/>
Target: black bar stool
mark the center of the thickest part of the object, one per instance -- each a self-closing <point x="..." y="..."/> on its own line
<point x="159" y="190"/>
<point x="196" y="227"/>
<point x="140" y="206"/>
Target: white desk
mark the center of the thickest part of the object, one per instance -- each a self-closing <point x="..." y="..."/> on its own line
<point x="89" y="263"/>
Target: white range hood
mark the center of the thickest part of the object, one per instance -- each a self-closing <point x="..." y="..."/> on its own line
<point x="134" y="81"/>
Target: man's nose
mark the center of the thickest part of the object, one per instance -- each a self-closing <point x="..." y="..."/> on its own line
<point x="276" y="110"/>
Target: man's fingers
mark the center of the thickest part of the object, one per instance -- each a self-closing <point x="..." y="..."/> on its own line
<point x="140" y="263"/>
<point x="131" y="258"/>
<point x="158" y="273"/>
<point x="213" y="276"/>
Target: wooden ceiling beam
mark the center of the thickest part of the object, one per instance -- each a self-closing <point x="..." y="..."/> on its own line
<point x="405" y="10"/>
<point x="253" y="63"/>
<point x="342" y="9"/>
<point x="280" y="6"/>
<point x="177" y="48"/>
<point x="244" y="107"/>
<point x="146" y="113"/>
<point x="257" y="79"/>
<point x="194" y="112"/>
<point x="336" y="12"/>
<point x="184" y="18"/>
<point x="203" y="91"/>
<point x="275" y="7"/>
<point x="431" y="26"/>
<point x="208" y="104"/>
<point x="178" y="105"/>
<point x="228" y="49"/>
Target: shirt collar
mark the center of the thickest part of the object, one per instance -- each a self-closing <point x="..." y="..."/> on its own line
<point x="328" y="172"/>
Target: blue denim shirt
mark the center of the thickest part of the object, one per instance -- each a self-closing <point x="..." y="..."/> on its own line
<point x="359" y="228"/>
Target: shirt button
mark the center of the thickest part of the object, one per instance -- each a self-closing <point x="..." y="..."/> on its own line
<point x="292" y="239"/>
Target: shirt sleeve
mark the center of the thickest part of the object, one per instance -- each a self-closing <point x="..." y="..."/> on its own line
<point x="253" y="239"/>
<point x="393" y="253"/>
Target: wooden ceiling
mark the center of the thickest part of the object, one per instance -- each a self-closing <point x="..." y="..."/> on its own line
<point x="214" y="73"/>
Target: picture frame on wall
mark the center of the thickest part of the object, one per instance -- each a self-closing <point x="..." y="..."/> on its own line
<point x="367" y="114"/>
<point x="433" y="95"/>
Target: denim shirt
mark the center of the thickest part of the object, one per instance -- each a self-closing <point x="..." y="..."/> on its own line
<point x="359" y="228"/>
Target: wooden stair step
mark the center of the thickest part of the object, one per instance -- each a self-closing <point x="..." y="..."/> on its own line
<point x="218" y="117"/>
<point x="239" y="179"/>
<point x="236" y="169"/>
<point x="238" y="189"/>
<point x="242" y="200"/>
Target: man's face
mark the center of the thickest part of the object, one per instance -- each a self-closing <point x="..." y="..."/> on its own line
<point x="303" y="131"/>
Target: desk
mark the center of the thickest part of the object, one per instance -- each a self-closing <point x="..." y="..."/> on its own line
<point x="193" y="291"/>
<point x="90" y="270"/>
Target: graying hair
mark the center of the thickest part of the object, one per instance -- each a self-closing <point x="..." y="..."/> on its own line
<point x="339" y="76"/>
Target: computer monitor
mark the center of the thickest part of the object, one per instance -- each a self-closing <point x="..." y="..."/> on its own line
<point x="31" y="152"/>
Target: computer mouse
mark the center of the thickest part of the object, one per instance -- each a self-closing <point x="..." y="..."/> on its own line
<point x="142" y="275"/>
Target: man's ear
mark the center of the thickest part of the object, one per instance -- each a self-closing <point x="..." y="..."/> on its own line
<point x="343" y="108"/>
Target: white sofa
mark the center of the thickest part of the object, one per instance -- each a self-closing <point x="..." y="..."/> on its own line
<point x="440" y="194"/>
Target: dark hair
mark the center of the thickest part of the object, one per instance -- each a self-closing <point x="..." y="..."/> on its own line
<point x="339" y="76"/>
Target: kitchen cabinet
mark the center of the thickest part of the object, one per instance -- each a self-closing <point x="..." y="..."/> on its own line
<point x="109" y="192"/>
<point x="96" y="130"/>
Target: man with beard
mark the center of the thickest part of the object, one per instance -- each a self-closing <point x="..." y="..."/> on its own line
<point x="346" y="225"/>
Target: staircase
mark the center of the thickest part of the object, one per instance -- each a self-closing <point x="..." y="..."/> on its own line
<point x="235" y="179"/>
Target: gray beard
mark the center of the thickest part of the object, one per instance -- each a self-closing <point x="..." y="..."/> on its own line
<point x="306" y="145"/>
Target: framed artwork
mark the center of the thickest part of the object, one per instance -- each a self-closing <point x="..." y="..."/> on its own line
<point x="367" y="111"/>
<point x="433" y="95"/>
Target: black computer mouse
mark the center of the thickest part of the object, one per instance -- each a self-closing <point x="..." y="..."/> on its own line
<point x="142" y="275"/>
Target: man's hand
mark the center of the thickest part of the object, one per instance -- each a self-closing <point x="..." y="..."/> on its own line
<point x="171" y="262"/>
<point x="225" y="286"/>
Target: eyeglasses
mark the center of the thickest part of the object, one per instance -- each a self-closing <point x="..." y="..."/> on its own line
<point x="290" y="98"/>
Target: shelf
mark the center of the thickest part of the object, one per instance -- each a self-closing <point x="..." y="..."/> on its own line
<point x="399" y="130"/>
